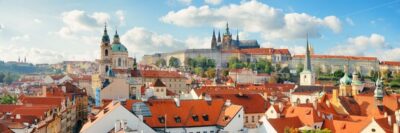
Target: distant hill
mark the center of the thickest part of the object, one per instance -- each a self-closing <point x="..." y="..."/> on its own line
<point x="22" y="68"/>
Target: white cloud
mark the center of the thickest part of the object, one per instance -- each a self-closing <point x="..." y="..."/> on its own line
<point x="121" y="16"/>
<point x="349" y="21"/>
<point x="21" y="38"/>
<point x="37" y="20"/>
<point x="141" y="41"/>
<point x="79" y="21"/>
<point x="294" y="49"/>
<point x="1" y="27"/>
<point x="213" y="2"/>
<point x="373" y="45"/>
<point x="198" y="43"/>
<point x="253" y="16"/>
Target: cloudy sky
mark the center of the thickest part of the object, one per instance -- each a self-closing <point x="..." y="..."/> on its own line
<point x="49" y="31"/>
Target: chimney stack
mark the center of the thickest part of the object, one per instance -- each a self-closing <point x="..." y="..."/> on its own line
<point x="117" y="125"/>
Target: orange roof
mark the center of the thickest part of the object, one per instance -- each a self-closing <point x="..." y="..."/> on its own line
<point x="339" y="57"/>
<point x="191" y="113"/>
<point x="390" y="63"/>
<point x="281" y="123"/>
<point x="160" y="74"/>
<point x="57" y="77"/>
<point x="52" y="101"/>
<point x="252" y="103"/>
<point x="307" y="115"/>
<point x="8" y="107"/>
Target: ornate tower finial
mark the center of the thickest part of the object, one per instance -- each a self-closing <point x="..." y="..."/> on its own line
<point x="105" y="39"/>
<point x="116" y="37"/>
<point x="227" y="29"/>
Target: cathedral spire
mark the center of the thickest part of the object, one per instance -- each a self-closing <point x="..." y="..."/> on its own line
<point x="307" y="60"/>
<point x="213" y="41"/>
<point x="219" y="36"/>
<point x="227" y="29"/>
<point x="105" y="39"/>
<point x="116" y="38"/>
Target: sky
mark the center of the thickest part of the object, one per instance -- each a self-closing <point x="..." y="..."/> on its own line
<point x="51" y="31"/>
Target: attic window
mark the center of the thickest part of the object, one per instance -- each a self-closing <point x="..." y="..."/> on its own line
<point x="195" y="118"/>
<point x="161" y="119"/>
<point x="373" y="130"/>
<point x="205" y="117"/>
<point x="177" y="119"/>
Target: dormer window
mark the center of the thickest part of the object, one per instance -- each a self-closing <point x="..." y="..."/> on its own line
<point x="161" y="119"/>
<point x="205" y="117"/>
<point x="195" y="118"/>
<point x="178" y="119"/>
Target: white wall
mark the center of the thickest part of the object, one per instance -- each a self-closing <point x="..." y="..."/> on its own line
<point x="107" y="122"/>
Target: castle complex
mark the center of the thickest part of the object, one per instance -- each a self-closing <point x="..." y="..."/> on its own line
<point x="222" y="48"/>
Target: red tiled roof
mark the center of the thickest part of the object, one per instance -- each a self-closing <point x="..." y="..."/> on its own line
<point x="8" y="107"/>
<point x="307" y="115"/>
<point x="339" y="57"/>
<point x="185" y="112"/>
<point x="52" y="101"/>
<point x="252" y="103"/>
<point x="390" y="63"/>
<point x="57" y="77"/>
<point x="281" y="123"/>
<point x="160" y="74"/>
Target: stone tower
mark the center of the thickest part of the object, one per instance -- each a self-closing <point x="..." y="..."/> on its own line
<point x="307" y="77"/>
<point x="105" y="53"/>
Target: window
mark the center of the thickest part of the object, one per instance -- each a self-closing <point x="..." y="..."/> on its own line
<point x="373" y="130"/>
<point x="119" y="61"/>
<point x="247" y="120"/>
<point x="195" y="118"/>
<point x="177" y="119"/>
<point x="106" y="68"/>
<point x="252" y="118"/>
<point x="161" y="119"/>
<point x="205" y="117"/>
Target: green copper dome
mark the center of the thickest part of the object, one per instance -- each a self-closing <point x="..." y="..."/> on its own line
<point x="345" y="80"/>
<point x="118" y="48"/>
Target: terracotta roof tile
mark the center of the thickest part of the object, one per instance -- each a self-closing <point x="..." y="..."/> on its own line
<point x="252" y="103"/>
<point x="160" y="74"/>
<point x="390" y="63"/>
<point x="289" y="122"/>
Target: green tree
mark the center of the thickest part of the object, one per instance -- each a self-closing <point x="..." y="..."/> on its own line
<point x="199" y="71"/>
<point x="174" y="62"/>
<point x="161" y="63"/>
<point x="210" y="73"/>
<point x="299" y="68"/>
<point x="8" y="99"/>
<point x="338" y="74"/>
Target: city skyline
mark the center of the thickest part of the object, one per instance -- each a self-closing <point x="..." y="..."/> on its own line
<point x="72" y="30"/>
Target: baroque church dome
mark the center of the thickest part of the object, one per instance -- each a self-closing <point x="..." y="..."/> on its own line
<point x="345" y="80"/>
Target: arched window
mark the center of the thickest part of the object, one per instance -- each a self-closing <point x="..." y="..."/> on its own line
<point x="307" y="100"/>
<point x="106" y="52"/>
<point x="119" y="61"/>
<point x="106" y="68"/>
<point x="298" y="101"/>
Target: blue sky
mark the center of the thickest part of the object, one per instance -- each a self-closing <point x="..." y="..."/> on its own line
<point x="48" y="31"/>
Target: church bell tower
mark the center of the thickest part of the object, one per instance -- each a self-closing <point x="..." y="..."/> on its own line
<point x="105" y="54"/>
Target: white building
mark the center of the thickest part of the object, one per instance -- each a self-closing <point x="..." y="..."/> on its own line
<point x="115" y="118"/>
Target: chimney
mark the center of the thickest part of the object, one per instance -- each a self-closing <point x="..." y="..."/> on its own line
<point x="17" y="116"/>
<point x="395" y="128"/>
<point x="228" y="102"/>
<point x="123" y="124"/>
<point x="44" y="91"/>
<point x="390" y="121"/>
<point x="334" y="96"/>
<point x="177" y="102"/>
<point x="64" y="89"/>
<point x="280" y="105"/>
<point x="117" y="125"/>
<point x="315" y="104"/>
